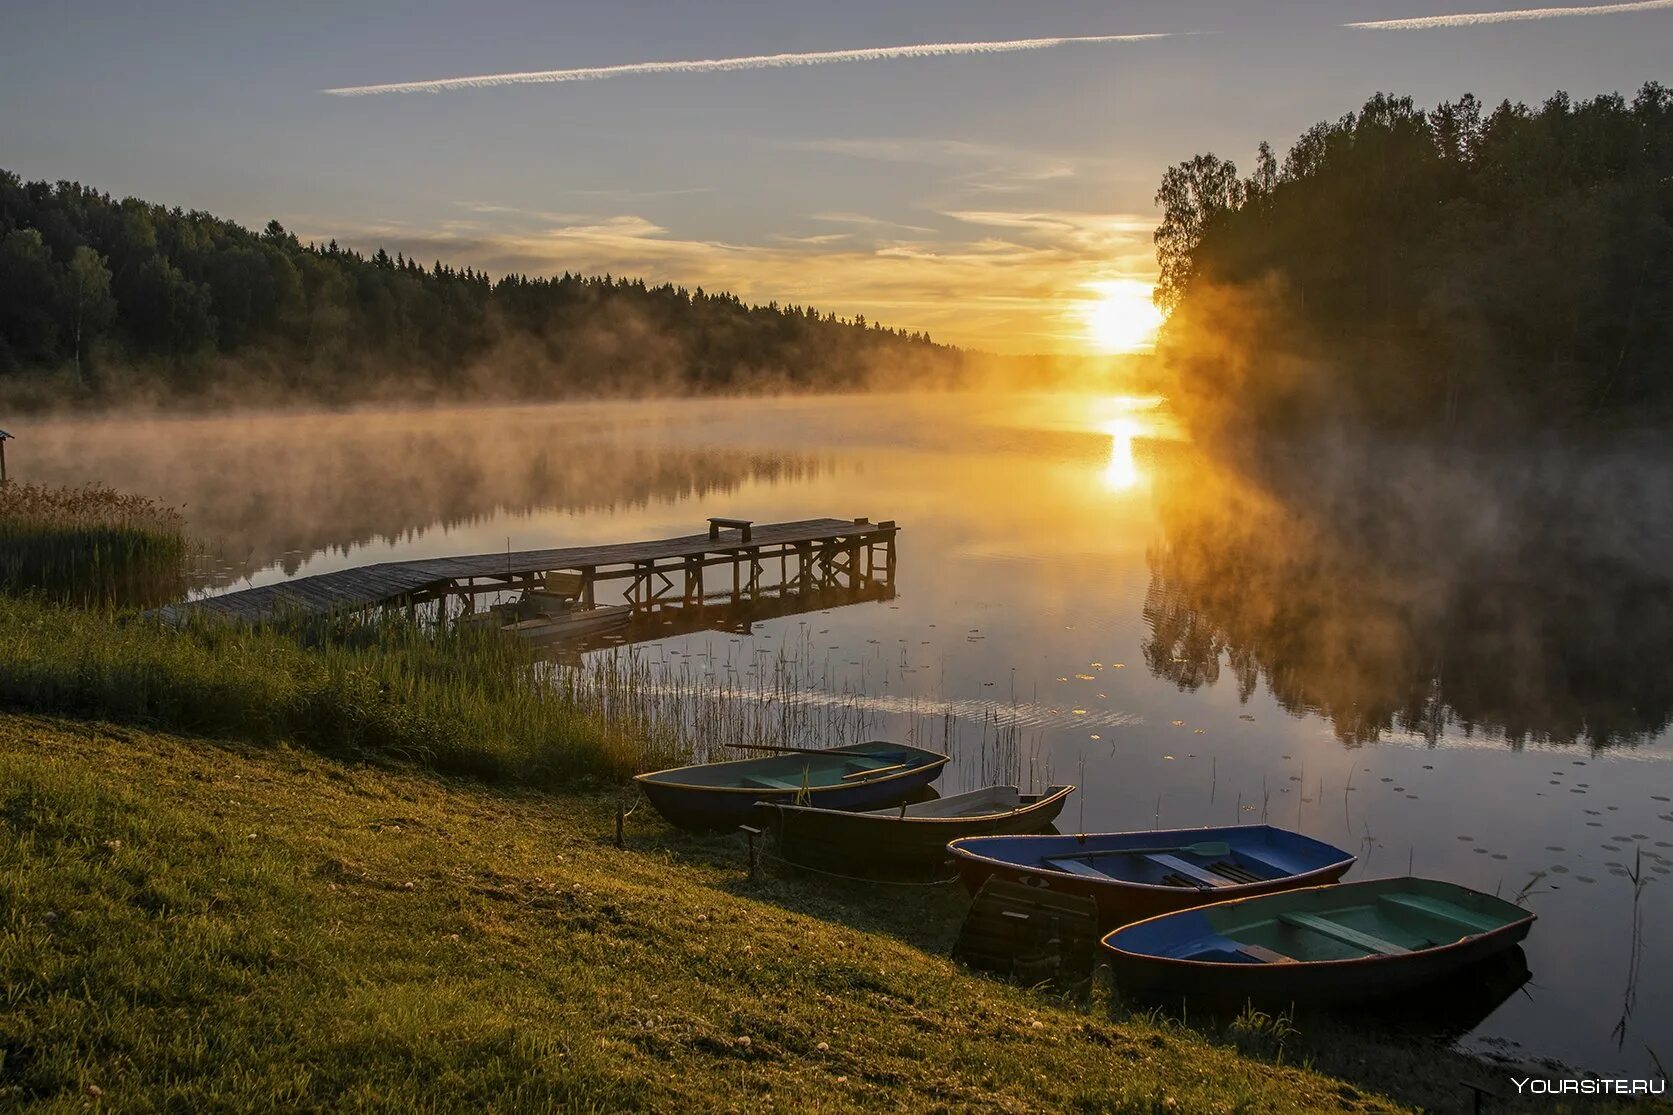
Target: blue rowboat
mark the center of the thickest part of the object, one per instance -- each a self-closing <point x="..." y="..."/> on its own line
<point x="1133" y="875"/>
<point x="857" y="776"/>
<point x="1324" y="946"/>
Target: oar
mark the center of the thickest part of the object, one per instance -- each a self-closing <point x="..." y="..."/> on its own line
<point x="872" y="771"/>
<point x="800" y="750"/>
<point x="1204" y="848"/>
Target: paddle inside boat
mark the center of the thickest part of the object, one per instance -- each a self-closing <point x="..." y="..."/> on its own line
<point x="1136" y="875"/>
<point x="1333" y="944"/>
<point x="905" y="835"/>
<point x="855" y="776"/>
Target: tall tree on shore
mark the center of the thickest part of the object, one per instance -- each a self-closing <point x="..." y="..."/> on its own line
<point x="1429" y="270"/>
<point x="90" y="304"/>
<point x="1193" y="196"/>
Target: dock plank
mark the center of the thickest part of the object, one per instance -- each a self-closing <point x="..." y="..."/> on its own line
<point x="371" y="585"/>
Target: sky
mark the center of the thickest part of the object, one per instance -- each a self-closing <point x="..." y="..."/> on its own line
<point x="1000" y="198"/>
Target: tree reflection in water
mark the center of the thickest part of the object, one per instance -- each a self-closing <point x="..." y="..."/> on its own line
<point x="1522" y="595"/>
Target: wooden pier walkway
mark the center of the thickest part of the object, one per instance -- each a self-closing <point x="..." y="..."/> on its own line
<point x="811" y="554"/>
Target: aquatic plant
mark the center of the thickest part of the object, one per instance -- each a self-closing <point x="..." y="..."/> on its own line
<point x="465" y="703"/>
<point x="464" y="700"/>
<point x="714" y="706"/>
<point x="91" y="546"/>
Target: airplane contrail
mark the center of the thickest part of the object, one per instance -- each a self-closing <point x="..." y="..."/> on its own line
<point x="723" y="65"/>
<point x="1475" y="19"/>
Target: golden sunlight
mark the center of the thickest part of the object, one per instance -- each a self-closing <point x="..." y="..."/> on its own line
<point x="1122" y="318"/>
<point x="1122" y="471"/>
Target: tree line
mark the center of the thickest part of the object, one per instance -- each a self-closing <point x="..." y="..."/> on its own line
<point x="1462" y="269"/>
<point x="99" y="292"/>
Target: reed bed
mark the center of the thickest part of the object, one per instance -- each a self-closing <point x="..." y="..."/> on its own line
<point x="90" y="546"/>
<point x="466" y="703"/>
<point x="712" y="707"/>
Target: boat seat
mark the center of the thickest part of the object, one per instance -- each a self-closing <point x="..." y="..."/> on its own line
<point x="1261" y="862"/>
<point x="765" y="782"/>
<point x="1343" y="933"/>
<point x="1077" y="867"/>
<point x="1189" y="870"/>
<point x="1448" y="911"/>
<point x="869" y="763"/>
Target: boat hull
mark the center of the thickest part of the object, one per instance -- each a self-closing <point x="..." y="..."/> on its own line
<point x="822" y="837"/>
<point x="1133" y="950"/>
<point x="724" y="801"/>
<point x="1119" y="901"/>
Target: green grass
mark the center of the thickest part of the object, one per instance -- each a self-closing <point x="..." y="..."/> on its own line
<point x="249" y="877"/>
<point x="466" y="704"/>
<point x="195" y="927"/>
<point x="90" y="546"/>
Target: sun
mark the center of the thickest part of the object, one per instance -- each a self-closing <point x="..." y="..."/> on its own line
<point x="1122" y="317"/>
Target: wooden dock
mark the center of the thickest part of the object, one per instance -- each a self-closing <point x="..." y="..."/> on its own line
<point x="808" y="556"/>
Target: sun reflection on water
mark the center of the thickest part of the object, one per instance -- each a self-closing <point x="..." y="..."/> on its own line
<point x="1121" y="471"/>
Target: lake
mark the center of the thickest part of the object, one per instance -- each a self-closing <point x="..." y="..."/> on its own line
<point x="1483" y="698"/>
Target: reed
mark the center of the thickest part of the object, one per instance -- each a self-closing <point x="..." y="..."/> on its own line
<point x="459" y="703"/>
<point x="90" y="546"/>
<point x="469" y="701"/>
<point x="716" y="705"/>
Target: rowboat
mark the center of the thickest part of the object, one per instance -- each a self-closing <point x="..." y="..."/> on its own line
<point x="857" y="776"/>
<point x="1133" y="875"/>
<point x="1322" y="946"/>
<point x="906" y="835"/>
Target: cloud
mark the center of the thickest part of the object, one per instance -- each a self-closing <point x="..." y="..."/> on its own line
<point x="1012" y="281"/>
<point x="865" y="221"/>
<point x="892" y="149"/>
<point x="727" y="65"/>
<point x="1476" y="19"/>
<point x="1087" y="232"/>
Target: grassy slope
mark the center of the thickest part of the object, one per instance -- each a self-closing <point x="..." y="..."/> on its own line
<point x="204" y="926"/>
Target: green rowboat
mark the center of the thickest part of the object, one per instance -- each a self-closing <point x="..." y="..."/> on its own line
<point x="1326" y="945"/>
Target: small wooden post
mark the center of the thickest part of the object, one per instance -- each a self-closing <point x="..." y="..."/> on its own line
<point x="620" y="817"/>
<point x="752" y="833"/>
<point x="4" y="438"/>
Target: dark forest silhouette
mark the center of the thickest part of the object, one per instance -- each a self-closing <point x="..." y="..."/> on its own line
<point x="107" y="292"/>
<point x="1457" y="270"/>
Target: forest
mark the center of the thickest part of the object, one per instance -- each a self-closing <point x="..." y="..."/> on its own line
<point x="1460" y="272"/>
<point x="106" y="299"/>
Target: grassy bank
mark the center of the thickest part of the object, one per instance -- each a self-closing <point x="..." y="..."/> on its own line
<point x="189" y="925"/>
<point x="249" y="877"/>
<point x="465" y="704"/>
<point x="90" y="546"/>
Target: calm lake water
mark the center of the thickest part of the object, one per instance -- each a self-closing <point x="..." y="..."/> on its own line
<point x="1187" y="652"/>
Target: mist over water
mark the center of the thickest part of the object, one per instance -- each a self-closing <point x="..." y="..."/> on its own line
<point x="1457" y="665"/>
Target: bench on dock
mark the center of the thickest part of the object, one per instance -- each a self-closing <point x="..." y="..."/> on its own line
<point x="716" y="525"/>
